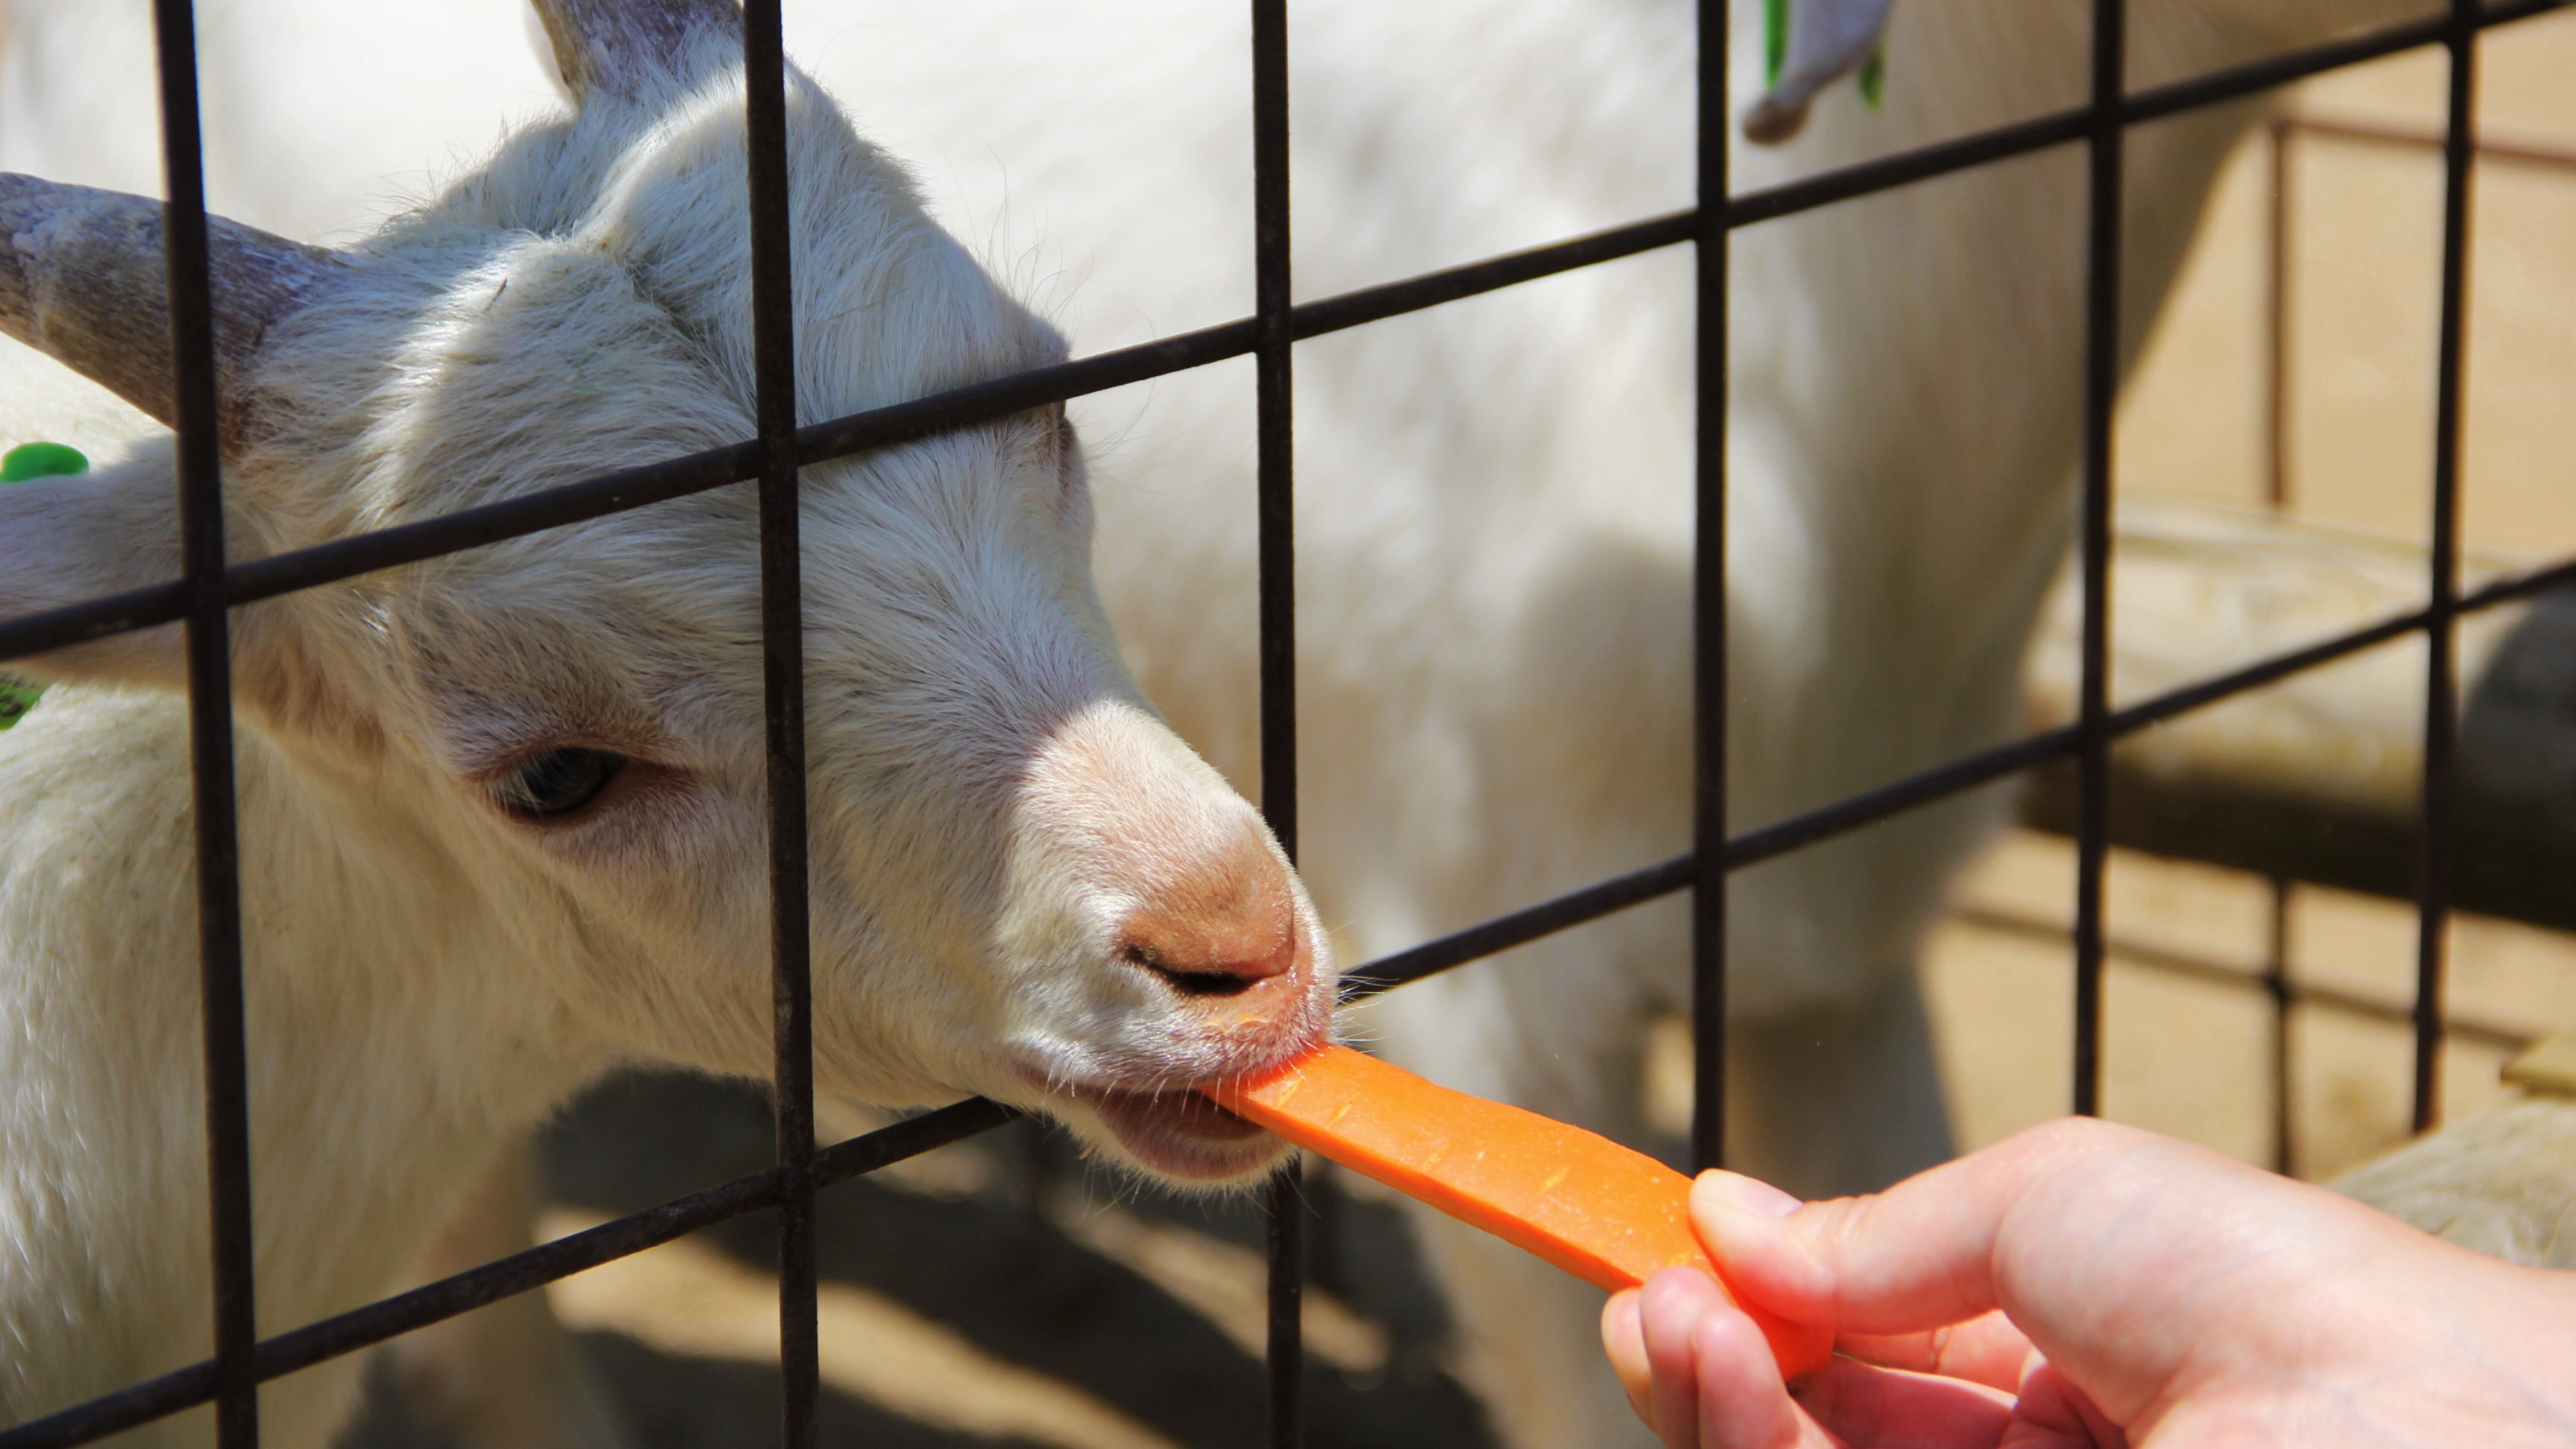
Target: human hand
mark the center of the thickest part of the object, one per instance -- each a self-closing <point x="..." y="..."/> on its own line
<point x="2086" y="1284"/>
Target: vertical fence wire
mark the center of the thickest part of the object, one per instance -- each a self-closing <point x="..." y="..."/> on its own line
<point x="2284" y="996"/>
<point x="210" y="726"/>
<point x="1708" y="604"/>
<point x="1284" y="1359"/>
<point x="1275" y="508"/>
<point x="2441" y="681"/>
<point x="2279" y="219"/>
<point x="2107" y="141"/>
<point x="782" y="650"/>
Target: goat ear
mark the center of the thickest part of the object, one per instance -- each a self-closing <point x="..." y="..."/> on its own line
<point x="82" y="280"/>
<point x="64" y="540"/>
<point x="1827" y="39"/>
<point x="624" y="48"/>
<point x="67" y="539"/>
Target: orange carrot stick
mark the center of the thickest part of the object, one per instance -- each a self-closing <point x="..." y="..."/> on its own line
<point x="1603" y="1213"/>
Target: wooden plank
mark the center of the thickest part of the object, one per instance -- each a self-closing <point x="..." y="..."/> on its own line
<point x="2314" y="779"/>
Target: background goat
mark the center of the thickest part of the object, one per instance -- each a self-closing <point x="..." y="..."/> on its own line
<point x="502" y="813"/>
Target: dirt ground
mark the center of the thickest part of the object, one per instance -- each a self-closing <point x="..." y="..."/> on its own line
<point x="996" y="1293"/>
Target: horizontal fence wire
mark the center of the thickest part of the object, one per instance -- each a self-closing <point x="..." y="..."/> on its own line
<point x="630" y="488"/>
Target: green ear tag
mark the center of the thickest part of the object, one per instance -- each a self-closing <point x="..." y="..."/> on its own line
<point x="41" y="460"/>
<point x="17" y="697"/>
<point x="1775" y="39"/>
<point x="32" y="460"/>
<point x="1873" y="79"/>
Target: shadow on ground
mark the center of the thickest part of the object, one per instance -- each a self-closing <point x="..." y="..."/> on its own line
<point x="988" y="1262"/>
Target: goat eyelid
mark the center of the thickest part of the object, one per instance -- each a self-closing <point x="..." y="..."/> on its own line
<point x="556" y="786"/>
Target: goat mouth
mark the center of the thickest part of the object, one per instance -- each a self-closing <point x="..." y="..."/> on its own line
<point x="1180" y="1133"/>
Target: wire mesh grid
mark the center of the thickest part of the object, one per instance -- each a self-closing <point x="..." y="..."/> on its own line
<point x="209" y="588"/>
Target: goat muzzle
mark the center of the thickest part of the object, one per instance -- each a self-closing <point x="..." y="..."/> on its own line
<point x="1224" y="938"/>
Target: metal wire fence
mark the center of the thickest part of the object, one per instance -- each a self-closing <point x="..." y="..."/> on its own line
<point x="209" y="588"/>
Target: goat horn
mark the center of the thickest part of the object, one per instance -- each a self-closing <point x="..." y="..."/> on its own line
<point x="83" y="281"/>
<point x="619" y="47"/>
<point x="1827" y="39"/>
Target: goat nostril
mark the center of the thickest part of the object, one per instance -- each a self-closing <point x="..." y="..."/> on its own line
<point x="1189" y="983"/>
<point x="1209" y="983"/>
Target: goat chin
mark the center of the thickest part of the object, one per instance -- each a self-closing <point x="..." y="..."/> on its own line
<point x="1178" y="1138"/>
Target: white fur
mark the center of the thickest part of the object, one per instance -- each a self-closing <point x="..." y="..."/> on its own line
<point x="995" y="809"/>
<point x="1494" y="525"/>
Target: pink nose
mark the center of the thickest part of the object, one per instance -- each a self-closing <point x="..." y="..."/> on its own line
<point x="1226" y="928"/>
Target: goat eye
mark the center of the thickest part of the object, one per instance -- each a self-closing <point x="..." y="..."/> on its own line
<point x="555" y="783"/>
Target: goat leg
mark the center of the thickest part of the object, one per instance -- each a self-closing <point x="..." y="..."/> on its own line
<point x="505" y="1376"/>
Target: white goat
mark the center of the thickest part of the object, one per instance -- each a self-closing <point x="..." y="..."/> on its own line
<point x="502" y="813"/>
<point x="1494" y="523"/>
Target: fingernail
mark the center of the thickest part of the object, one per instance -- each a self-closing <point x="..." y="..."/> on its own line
<point x="1750" y="1195"/>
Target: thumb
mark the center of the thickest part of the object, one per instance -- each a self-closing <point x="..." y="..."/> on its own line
<point x="1919" y="1256"/>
